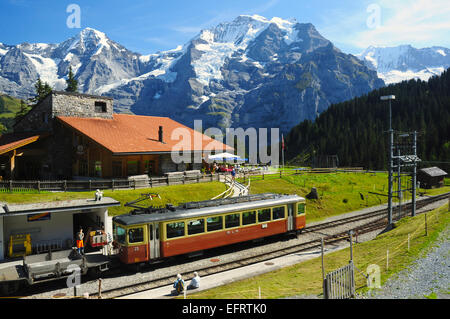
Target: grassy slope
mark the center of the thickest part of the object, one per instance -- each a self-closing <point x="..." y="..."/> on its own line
<point x="306" y="277"/>
<point x="338" y="192"/>
<point x="174" y="194"/>
<point x="9" y="106"/>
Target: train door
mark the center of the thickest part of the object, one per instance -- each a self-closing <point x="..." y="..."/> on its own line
<point x="154" y="240"/>
<point x="290" y="219"/>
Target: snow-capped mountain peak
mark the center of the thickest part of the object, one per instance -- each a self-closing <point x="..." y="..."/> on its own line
<point x="245" y="28"/>
<point x="87" y="41"/>
<point x="404" y="62"/>
<point x="219" y="43"/>
<point x="240" y="73"/>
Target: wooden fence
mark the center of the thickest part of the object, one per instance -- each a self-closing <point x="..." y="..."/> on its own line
<point x="176" y="179"/>
<point x="113" y="184"/>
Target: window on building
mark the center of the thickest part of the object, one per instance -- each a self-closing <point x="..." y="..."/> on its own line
<point x="264" y="215"/>
<point x="149" y="167"/>
<point x="214" y="223"/>
<point x="175" y="230"/>
<point x="248" y="218"/>
<point x="98" y="168"/>
<point x="136" y="235"/>
<point x="196" y="226"/>
<point x="100" y="107"/>
<point x="132" y="168"/>
<point x="278" y="212"/>
<point x="83" y="168"/>
<point x="232" y="220"/>
<point x="117" y="168"/>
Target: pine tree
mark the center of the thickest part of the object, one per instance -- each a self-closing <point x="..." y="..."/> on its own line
<point x="72" y="83"/>
<point x="42" y="90"/>
<point x="355" y="130"/>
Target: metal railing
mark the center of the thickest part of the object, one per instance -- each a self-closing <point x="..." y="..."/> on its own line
<point x="229" y="191"/>
<point x="48" y="245"/>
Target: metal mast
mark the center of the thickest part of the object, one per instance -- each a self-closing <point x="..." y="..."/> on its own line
<point x="391" y="155"/>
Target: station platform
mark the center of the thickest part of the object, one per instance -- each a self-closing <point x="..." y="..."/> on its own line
<point x="230" y="276"/>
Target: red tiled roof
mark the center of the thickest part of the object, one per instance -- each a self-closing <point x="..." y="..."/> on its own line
<point x="9" y="142"/>
<point x="139" y="134"/>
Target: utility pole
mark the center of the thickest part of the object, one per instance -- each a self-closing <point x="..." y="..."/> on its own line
<point x="414" y="177"/>
<point x="399" y="186"/>
<point x="391" y="155"/>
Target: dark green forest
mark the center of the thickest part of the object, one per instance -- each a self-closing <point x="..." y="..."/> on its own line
<point x="356" y="130"/>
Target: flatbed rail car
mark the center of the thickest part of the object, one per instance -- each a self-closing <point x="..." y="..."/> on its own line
<point x="50" y="266"/>
<point x="147" y="235"/>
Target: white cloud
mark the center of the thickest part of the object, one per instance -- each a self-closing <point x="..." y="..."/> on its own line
<point x="420" y="23"/>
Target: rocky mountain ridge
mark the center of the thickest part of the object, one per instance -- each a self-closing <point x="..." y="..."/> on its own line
<point x="250" y="72"/>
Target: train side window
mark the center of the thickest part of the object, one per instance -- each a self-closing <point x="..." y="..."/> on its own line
<point x="136" y="235"/>
<point x="232" y="220"/>
<point x="248" y="218"/>
<point x="196" y="226"/>
<point x="300" y="208"/>
<point x="278" y="212"/>
<point x="264" y="215"/>
<point x="151" y="232"/>
<point x="214" y="223"/>
<point x="175" y="230"/>
<point x="120" y="234"/>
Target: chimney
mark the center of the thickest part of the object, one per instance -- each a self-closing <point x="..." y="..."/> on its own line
<point x="160" y="134"/>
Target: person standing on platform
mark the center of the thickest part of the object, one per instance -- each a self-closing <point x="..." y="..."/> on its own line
<point x="80" y="243"/>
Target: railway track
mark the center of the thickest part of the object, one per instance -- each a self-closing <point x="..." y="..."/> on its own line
<point x="376" y="224"/>
<point x="380" y="212"/>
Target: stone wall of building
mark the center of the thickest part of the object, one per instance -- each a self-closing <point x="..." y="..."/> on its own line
<point x="81" y="105"/>
<point x="37" y="119"/>
<point x="41" y="116"/>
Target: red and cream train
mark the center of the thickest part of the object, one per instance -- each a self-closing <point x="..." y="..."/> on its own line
<point x="147" y="235"/>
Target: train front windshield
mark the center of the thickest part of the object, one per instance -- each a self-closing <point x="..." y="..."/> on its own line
<point x="120" y="234"/>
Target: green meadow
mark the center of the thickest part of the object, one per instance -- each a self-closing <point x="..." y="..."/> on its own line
<point x="338" y="192"/>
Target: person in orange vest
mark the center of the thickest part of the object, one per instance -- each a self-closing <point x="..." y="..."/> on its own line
<point x="80" y="244"/>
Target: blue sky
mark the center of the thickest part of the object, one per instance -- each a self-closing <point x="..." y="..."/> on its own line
<point x="150" y="26"/>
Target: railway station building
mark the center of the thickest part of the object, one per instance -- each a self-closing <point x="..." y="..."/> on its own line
<point x="71" y="135"/>
<point x="40" y="227"/>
